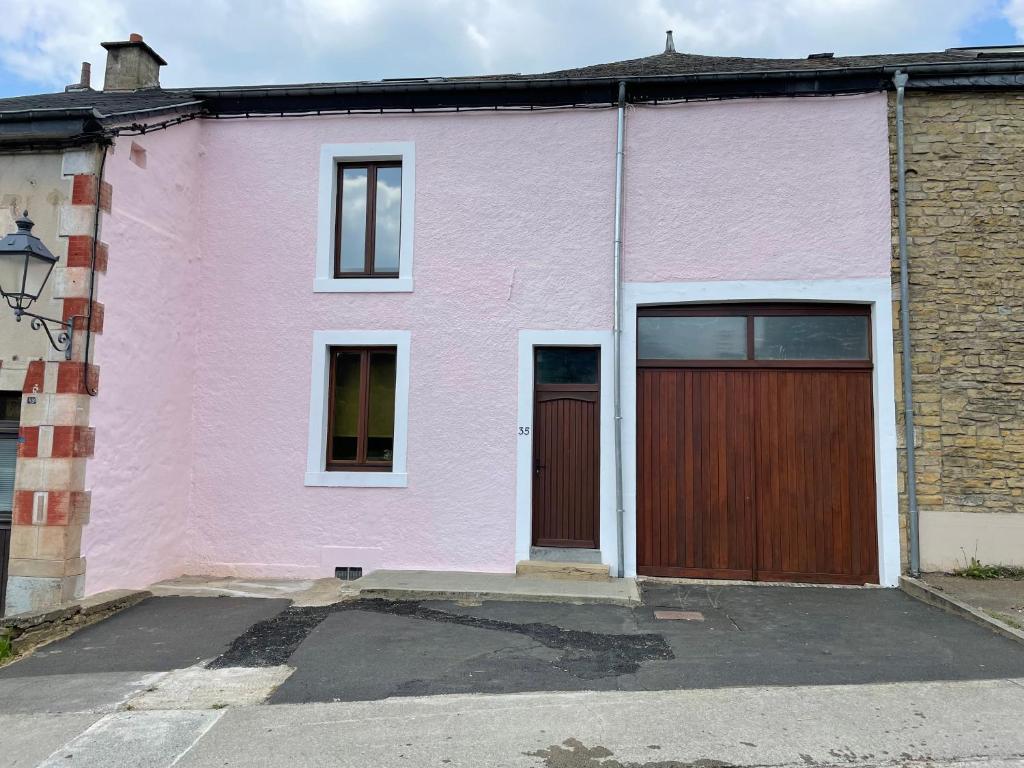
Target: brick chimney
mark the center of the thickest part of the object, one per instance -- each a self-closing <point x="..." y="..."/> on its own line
<point x="131" y="64"/>
<point x="83" y="83"/>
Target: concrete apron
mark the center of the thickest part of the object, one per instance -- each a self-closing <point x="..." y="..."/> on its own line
<point x="411" y="585"/>
<point x="460" y="586"/>
<point x="450" y="585"/>
<point x="302" y="592"/>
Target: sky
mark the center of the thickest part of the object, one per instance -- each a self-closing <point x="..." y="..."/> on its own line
<point x="247" y="42"/>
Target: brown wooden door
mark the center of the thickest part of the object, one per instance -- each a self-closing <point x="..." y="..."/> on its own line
<point x="756" y="467"/>
<point x="566" y="447"/>
<point x="695" y="474"/>
<point x="815" y="483"/>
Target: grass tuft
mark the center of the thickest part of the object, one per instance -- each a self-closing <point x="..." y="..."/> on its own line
<point x="976" y="569"/>
<point x="5" y="647"/>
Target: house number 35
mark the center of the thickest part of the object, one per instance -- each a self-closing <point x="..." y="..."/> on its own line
<point x="524" y="430"/>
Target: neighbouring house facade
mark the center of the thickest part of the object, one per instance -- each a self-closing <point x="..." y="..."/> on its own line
<point x="965" y="188"/>
<point x="58" y="186"/>
<point x="363" y="326"/>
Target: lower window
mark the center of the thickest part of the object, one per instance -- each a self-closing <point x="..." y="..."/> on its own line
<point x="361" y="416"/>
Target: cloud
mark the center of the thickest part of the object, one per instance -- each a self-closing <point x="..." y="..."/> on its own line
<point x="1014" y="13"/>
<point x="219" y="42"/>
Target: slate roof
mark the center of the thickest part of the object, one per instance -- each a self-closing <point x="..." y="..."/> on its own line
<point x="121" y="106"/>
<point x="104" y="102"/>
<point x="675" y="63"/>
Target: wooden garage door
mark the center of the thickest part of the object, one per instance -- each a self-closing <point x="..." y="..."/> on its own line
<point x="755" y="446"/>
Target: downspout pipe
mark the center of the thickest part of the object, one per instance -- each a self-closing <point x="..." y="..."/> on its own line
<point x="913" y="522"/>
<point x="620" y="138"/>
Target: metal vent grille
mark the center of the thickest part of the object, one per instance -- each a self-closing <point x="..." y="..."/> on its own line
<point x="348" y="573"/>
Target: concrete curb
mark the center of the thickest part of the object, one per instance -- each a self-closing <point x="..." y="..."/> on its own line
<point x="456" y="585"/>
<point x="928" y="594"/>
<point x="387" y="593"/>
<point x="456" y="595"/>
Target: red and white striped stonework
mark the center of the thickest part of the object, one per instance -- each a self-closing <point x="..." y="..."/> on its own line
<point x="51" y="504"/>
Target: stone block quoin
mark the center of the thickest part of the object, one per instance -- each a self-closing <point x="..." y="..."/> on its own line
<point x="51" y="504"/>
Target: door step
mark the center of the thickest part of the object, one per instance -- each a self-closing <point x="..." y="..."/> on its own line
<point x="566" y="554"/>
<point x="567" y="571"/>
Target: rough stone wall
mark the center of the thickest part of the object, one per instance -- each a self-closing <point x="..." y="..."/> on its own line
<point x="965" y="188"/>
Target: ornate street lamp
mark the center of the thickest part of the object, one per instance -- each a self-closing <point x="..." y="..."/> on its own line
<point x="25" y="266"/>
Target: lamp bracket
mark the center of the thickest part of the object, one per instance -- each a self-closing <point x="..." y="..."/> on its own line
<point x="60" y="335"/>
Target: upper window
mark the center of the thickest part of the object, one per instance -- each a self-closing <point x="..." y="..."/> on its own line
<point x="361" y="420"/>
<point x="365" y="218"/>
<point x="369" y="220"/>
<point x="760" y="335"/>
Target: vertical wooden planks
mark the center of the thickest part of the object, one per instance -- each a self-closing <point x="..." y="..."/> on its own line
<point x="757" y="473"/>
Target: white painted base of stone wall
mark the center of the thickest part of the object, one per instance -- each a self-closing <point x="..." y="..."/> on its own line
<point x="950" y="539"/>
<point x="37" y="593"/>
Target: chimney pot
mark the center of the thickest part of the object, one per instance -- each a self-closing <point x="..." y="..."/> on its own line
<point x="131" y="64"/>
<point x="670" y="45"/>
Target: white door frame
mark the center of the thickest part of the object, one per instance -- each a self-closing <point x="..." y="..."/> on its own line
<point x="528" y="340"/>
<point x="876" y="292"/>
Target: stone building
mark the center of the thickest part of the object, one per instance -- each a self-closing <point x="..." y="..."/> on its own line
<point x="964" y="138"/>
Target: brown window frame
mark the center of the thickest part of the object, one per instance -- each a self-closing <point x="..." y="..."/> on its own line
<point x="750" y="311"/>
<point x="369" y="245"/>
<point x="361" y="463"/>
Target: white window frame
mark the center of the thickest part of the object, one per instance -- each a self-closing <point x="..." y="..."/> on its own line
<point x="316" y="456"/>
<point x="330" y="156"/>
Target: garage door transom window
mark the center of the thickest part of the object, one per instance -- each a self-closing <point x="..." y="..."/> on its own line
<point x="755" y="334"/>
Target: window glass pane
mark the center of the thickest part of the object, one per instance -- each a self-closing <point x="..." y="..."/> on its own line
<point x="10" y="406"/>
<point x="811" y="337"/>
<point x="388" y="224"/>
<point x="567" y="365"/>
<point x="353" y="219"/>
<point x="380" y="441"/>
<point x="692" y="338"/>
<point x="345" y="429"/>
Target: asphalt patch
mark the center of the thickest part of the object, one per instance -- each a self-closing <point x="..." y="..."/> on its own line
<point x="585" y="655"/>
<point x="572" y="753"/>
<point x="271" y="642"/>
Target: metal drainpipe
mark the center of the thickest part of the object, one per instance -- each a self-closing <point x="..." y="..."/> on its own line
<point x="617" y="329"/>
<point x="900" y="80"/>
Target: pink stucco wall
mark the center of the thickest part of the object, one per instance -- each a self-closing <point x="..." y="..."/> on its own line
<point x="141" y="475"/>
<point x="773" y="189"/>
<point x="513" y="231"/>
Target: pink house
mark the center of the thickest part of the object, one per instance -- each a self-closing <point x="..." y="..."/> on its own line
<point x="364" y="326"/>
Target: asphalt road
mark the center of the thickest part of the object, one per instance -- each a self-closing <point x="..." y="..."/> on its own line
<point x="739" y="636"/>
<point x="731" y="675"/>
